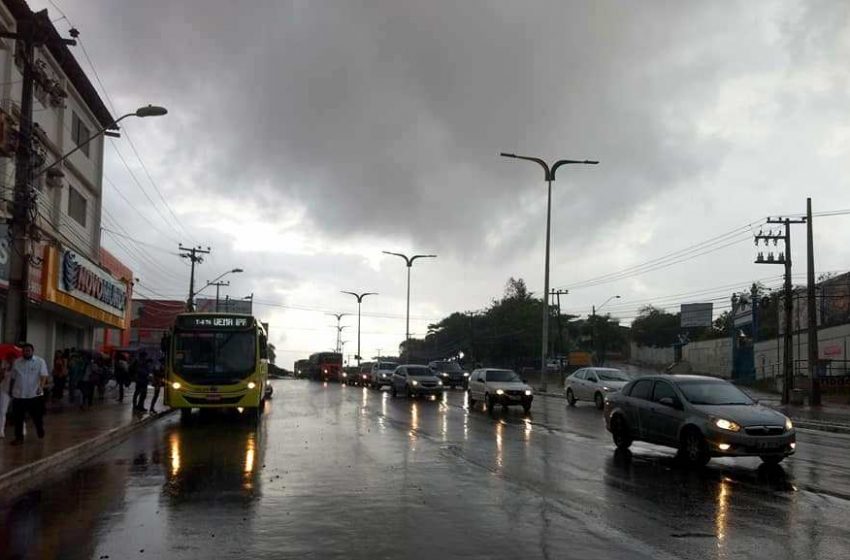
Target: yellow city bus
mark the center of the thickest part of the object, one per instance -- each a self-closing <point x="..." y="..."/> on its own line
<point x="217" y="360"/>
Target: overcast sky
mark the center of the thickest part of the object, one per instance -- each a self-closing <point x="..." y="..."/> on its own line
<point x="303" y="138"/>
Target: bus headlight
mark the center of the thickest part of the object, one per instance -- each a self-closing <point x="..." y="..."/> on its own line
<point x="252" y="385"/>
<point x="176" y="385"/>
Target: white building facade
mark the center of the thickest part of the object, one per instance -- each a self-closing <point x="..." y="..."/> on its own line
<point x="70" y="292"/>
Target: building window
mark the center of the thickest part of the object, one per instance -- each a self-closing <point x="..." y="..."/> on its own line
<point x="80" y="133"/>
<point x="77" y="206"/>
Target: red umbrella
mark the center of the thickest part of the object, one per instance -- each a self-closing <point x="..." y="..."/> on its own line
<point x="10" y="352"/>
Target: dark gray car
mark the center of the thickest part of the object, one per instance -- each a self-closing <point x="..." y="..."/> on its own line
<point x="702" y="417"/>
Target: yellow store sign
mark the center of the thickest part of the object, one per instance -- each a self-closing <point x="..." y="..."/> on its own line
<point x="72" y="281"/>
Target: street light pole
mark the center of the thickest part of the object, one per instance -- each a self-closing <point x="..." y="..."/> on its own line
<point x="409" y="262"/>
<point x="593" y="321"/>
<point x="359" y="301"/>
<point x="339" y="317"/>
<point x="215" y="282"/>
<point x="549" y="176"/>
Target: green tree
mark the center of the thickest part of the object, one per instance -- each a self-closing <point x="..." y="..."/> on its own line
<point x="655" y="327"/>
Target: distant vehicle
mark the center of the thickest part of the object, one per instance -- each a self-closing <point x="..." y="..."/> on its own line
<point x="553" y="365"/>
<point x="592" y="384"/>
<point x="703" y="417"/>
<point x="217" y="360"/>
<point x="355" y="376"/>
<point x="415" y="380"/>
<point x="450" y="373"/>
<point x="326" y="366"/>
<point x="301" y="369"/>
<point x="381" y="374"/>
<point x="499" y="387"/>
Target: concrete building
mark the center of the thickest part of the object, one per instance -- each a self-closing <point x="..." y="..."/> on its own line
<point x="74" y="288"/>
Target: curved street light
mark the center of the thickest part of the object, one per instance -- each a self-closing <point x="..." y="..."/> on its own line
<point x="359" y="301"/>
<point x="218" y="284"/>
<point x="549" y="176"/>
<point x="141" y="112"/>
<point x="409" y="262"/>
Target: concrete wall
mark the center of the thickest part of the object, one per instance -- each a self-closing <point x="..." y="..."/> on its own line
<point x="710" y="357"/>
<point x="833" y="344"/>
<point x="647" y="355"/>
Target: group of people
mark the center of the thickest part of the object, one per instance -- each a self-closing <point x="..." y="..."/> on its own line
<point x="26" y="384"/>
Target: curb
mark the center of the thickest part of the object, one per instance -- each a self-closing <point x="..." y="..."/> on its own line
<point x="24" y="478"/>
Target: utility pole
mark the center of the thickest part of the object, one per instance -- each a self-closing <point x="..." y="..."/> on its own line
<point x="218" y="285"/>
<point x="557" y="295"/>
<point x="783" y="259"/>
<point x="814" y="371"/>
<point x="195" y="255"/>
<point x="31" y="33"/>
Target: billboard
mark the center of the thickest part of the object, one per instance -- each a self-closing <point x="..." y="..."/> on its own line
<point x="697" y="314"/>
<point x="225" y="305"/>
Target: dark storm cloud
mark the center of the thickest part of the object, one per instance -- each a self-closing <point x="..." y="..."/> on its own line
<point x="387" y="117"/>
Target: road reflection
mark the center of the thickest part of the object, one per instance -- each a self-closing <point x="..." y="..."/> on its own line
<point x="724" y="490"/>
<point x="213" y="458"/>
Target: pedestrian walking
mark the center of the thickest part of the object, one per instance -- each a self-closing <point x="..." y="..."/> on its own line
<point x="122" y="374"/>
<point x="158" y="382"/>
<point x="102" y="375"/>
<point x="90" y="379"/>
<point x="76" y="368"/>
<point x="29" y="376"/>
<point x="142" y="378"/>
<point x="60" y="375"/>
<point x="5" y="397"/>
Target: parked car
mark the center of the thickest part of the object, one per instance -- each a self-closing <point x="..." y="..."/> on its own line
<point x="499" y="387"/>
<point x="592" y="384"/>
<point x="450" y="373"/>
<point x="703" y="417"/>
<point x="415" y="380"/>
<point x="381" y="374"/>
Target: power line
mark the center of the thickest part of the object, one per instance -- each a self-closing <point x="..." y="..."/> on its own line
<point x="716" y="243"/>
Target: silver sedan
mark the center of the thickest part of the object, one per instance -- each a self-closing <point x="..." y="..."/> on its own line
<point x="703" y="417"/>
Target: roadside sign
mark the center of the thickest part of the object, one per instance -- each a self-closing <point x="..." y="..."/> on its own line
<point x="697" y="314"/>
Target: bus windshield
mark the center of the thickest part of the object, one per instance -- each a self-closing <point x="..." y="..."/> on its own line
<point x="209" y="358"/>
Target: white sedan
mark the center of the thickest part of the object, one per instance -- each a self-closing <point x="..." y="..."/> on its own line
<point x="593" y="383"/>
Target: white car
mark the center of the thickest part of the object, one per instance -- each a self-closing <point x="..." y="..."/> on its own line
<point x="499" y="386"/>
<point x="382" y="374"/>
<point x="593" y="383"/>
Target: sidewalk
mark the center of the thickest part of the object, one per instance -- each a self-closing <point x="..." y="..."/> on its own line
<point x="71" y="437"/>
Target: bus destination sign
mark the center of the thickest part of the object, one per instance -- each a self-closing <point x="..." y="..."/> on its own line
<point x="213" y="322"/>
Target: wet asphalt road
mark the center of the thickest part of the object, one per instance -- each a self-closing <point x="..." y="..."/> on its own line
<point x="345" y="472"/>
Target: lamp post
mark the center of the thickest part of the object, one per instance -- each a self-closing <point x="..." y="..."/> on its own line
<point x="141" y="112"/>
<point x="359" y="301"/>
<point x="549" y="176"/>
<point x="593" y="321"/>
<point x="339" y="328"/>
<point x="409" y="262"/>
<point x="217" y="285"/>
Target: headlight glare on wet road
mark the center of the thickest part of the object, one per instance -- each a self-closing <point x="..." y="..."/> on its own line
<point x="788" y="423"/>
<point x="176" y="385"/>
<point x="724" y="424"/>
<point x="499" y="392"/>
<point x="252" y="385"/>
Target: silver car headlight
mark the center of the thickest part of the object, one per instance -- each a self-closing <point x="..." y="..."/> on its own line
<point x="789" y="425"/>
<point x="414" y="383"/>
<point x="439" y="383"/>
<point x="500" y="392"/>
<point x="528" y="392"/>
<point x="466" y="374"/>
<point x="727" y="425"/>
